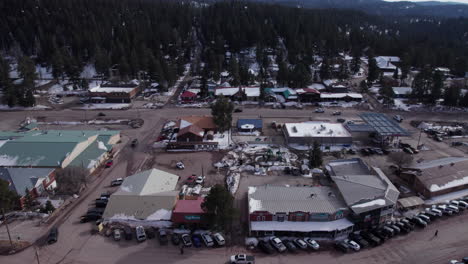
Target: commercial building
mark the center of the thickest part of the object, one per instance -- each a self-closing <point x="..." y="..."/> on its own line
<point x="387" y="130"/>
<point x="239" y="93"/>
<point x="249" y="125"/>
<point x="194" y="133"/>
<point x="438" y="177"/>
<point x="56" y="148"/>
<point x="36" y="180"/>
<point x="327" y="134"/>
<point x="113" y="94"/>
<point x="367" y="191"/>
<point x="189" y="213"/>
<point x="402" y="92"/>
<point x="149" y="195"/>
<point x="302" y="211"/>
<point x="347" y="97"/>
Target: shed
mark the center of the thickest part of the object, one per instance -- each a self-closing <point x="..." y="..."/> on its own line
<point x="410" y="202"/>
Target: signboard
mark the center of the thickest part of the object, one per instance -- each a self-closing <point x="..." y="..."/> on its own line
<point x="192" y="217"/>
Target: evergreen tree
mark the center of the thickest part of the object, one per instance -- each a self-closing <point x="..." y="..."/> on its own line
<point x="344" y="72"/>
<point x="356" y="62"/>
<point x="9" y="94"/>
<point x="315" y="156"/>
<point x="234" y="70"/>
<point x="422" y="84"/>
<point x="221" y="111"/>
<point x="363" y="86"/>
<point x="436" y="88"/>
<point x="282" y="76"/>
<point x="9" y="200"/>
<point x="373" y="72"/>
<point x="57" y="65"/>
<point x="27" y="71"/>
<point x="464" y="100"/>
<point x="102" y="62"/>
<point x="124" y="68"/>
<point x="395" y="74"/>
<point x="219" y="204"/>
<point x="300" y="76"/>
<point x="325" y="72"/>
<point x="28" y="201"/>
<point x="452" y="95"/>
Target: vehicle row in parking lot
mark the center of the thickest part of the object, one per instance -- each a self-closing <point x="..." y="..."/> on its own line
<point x="281" y="245"/>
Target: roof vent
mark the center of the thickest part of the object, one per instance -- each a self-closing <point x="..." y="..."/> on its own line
<point x="294" y="129"/>
<point x="312" y="195"/>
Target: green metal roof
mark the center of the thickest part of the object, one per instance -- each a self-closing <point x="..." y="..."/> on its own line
<point x="37" y="154"/>
<point x="90" y="155"/>
<point x="58" y="135"/>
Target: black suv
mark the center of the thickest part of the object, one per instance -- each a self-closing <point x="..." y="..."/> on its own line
<point x="53" y="235"/>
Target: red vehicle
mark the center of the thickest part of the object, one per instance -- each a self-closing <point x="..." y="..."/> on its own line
<point x="191" y="179"/>
<point x="109" y="163"/>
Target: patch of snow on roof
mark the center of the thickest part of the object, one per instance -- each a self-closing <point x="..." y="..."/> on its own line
<point x="2" y="142"/>
<point x="125" y="188"/>
<point x="123" y="217"/>
<point x="161" y="214"/>
<point x="450" y="184"/>
<point x="91" y="164"/>
<point x="6" y="160"/>
<point x="102" y="146"/>
<point x="184" y="123"/>
<point x="252" y="189"/>
<point x="371" y="203"/>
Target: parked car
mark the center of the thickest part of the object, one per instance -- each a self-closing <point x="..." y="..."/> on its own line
<point x="186" y="240"/>
<point x="300" y="243"/>
<point x="352" y="244"/>
<point x="359" y="239"/>
<point x="336" y="113"/>
<point x="175" y="238"/>
<point x="150" y="233"/>
<point x="117" y="234"/>
<point x="207" y="240"/>
<point x="407" y="223"/>
<point x="342" y="246"/>
<point x="276" y="242"/>
<point x="140" y="234"/>
<point x="96" y="211"/>
<point x="435" y="211"/>
<point x="196" y="241"/>
<point x="290" y="245"/>
<point x="383" y="236"/>
<point x="242" y="259"/>
<point x="265" y="247"/>
<point x="191" y="179"/>
<point x="312" y="243"/>
<point x="53" y="235"/>
<point x="453" y="208"/>
<point x="200" y="180"/>
<point x="389" y="231"/>
<point x="377" y="151"/>
<point x="445" y="210"/>
<point x="403" y="227"/>
<point x="128" y="233"/>
<point x="109" y="163"/>
<point x="396" y="230"/>
<point x="371" y="238"/>
<point x="101" y="114"/>
<point x="398" y="118"/>
<point x="180" y="165"/>
<point x="134" y="142"/>
<point x="365" y="152"/>
<point x="162" y="237"/>
<point x="117" y="182"/>
<point x="418" y="221"/>
<point x="319" y="110"/>
<point x="90" y="217"/>
<point x="219" y="239"/>
<point x="238" y="110"/>
<point x="340" y="120"/>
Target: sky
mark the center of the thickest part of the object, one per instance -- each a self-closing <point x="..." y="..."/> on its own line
<point x="458" y="1"/>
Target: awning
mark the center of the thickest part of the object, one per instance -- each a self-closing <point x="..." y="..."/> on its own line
<point x="409" y="202"/>
<point x="300" y="226"/>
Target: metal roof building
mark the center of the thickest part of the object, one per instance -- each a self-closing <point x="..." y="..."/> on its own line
<point x="284" y="199"/>
<point x="148" y="195"/>
<point x="383" y="125"/>
<point x="21" y="178"/>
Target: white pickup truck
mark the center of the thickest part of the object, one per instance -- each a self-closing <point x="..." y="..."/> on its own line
<point x="242" y="259"/>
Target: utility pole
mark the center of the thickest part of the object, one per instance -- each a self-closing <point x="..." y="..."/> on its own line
<point x="37" y="255"/>
<point x="419" y="139"/>
<point x="8" y="230"/>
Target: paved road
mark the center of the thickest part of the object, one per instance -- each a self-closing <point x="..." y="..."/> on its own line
<point x="77" y="245"/>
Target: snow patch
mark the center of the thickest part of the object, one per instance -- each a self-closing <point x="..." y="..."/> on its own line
<point x="161" y="214"/>
<point x="102" y="146"/>
<point x="450" y="184"/>
<point x="380" y="202"/>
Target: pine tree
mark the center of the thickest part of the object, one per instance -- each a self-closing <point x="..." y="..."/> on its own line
<point x="344" y="72"/>
<point x="124" y="68"/>
<point x="9" y="94"/>
<point x="452" y="95"/>
<point x="282" y="76"/>
<point x="234" y="70"/>
<point x="221" y="111"/>
<point x="395" y="74"/>
<point x="57" y="65"/>
<point x="27" y="71"/>
<point x="315" y="156"/>
<point x="300" y="76"/>
<point x="356" y="62"/>
<point x="325" y="72"/>
<point x="373" y="72"/>
<point x="436" y="88"/>
<point x="28" y="201"/>
<point x="363" y="86"/>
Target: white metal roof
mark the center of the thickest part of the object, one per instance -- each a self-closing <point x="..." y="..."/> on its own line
<point x="316" y="129"/>
<point x="249" y="91"/>
<point x="99" y="89"/>
<point x="308" y="226"/>
<point x="402" y="90"/>
<point x="341" y="95"/>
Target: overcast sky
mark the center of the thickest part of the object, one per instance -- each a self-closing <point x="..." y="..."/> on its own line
<point x="459" y="1"/>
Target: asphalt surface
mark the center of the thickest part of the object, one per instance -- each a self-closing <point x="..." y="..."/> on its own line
<point x="77" y="244"/>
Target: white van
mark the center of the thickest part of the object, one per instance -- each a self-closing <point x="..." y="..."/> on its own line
<point x="140" y="234"/>
<point x="207" y="240"/>
<point x="219" y="239"/>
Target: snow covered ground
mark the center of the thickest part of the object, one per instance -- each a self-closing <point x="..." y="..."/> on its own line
<point x="223" y="139"/>
<point x="37" y="107"/>
<point x="105" y="106"/>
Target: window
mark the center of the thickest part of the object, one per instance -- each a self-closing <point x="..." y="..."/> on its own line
<point x="280" y="218"/>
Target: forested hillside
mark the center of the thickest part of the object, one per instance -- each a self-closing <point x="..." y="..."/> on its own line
<point x="154" y="39"/>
